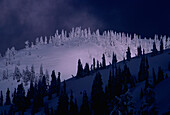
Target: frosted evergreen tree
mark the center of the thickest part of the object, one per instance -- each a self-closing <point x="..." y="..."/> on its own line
<point x="41" y="40"/>
<point x="32" y="45"/>
<point x="26" y="75"/>
<point x="17" y="74"/>
<point x="45" y="40"/>
<point x="32" y="73"/>
<point x="4" y="74"/>
<point x="50" y="41"/>
<point x="26" y="44"/>
<point x="47" y="77"/>
<point x="37" y="42"/>
<point x="124" y="105"/>
<point x="41" y="72"/>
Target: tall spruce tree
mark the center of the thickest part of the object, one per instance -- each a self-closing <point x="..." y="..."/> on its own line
<point x="97" y="95"/>
<point x="85" y="109"/>
<point x="160" y="75"/>
<point x="94" y="64"/>
<point x="72" y="105"/>
<point x="161" y="46"/>
<point x="47" y="77"/>
<point x="14" y="96"/>
<point x="41" y="72"/>
<point x="103" y="61"/>
<point x="32" y="73"/>
<point x="58" y="84"/>
<point x="139" y="51"/>
<point x="118" y="82"/>
<point x="114" y="60"/>
<point x="128" y="54"/>
<point x="154" y="50"/>
<point x="154" y="77"/>
<point x="1" y="99"/>
<point x="76" y="108"/>
<point x="141" y="93"/>
<point x="8" y="99"/>
<point x="79" y="70"/>
<point x="20" y="98"/>
<point x="44" y="86"/>
<point x="31" y="89"/>
<point x="53" y="82"/>
<point x="144" y="69"/>
<point x="63" y="103"/>
<point x="98" y="66"/>
<point x="86" y="69"/>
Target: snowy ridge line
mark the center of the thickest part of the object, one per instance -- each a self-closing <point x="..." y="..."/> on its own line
<point x="107" y="38"/>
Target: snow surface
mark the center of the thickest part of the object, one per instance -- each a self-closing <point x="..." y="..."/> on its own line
<point x="62" y="56"/>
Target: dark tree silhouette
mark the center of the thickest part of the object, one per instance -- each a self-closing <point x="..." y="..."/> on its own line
<point x="86" y="69"/>
<point x="161" y="46"/>
<point x="154" y="77"/>
<point x="1" y="99"/>
<point x="139" y="50"/>
<point x="53" y="82"/>
<point x="80" y="69"/>
<point x="85" y="109"/>
<point x="97" y="95"/>
<point x="103" y="61"/>
<point x="128" y="54"/>
<point x="63" y="102"/>
<point x="154" y="50"/>
<point x="58" y="84"/>
<point x="160" y="75"/>
<point x="20" y="101"/>
<point x="8" y="99"/>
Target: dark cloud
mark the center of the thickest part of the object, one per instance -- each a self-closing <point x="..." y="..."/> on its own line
<point x="22" y="20"/>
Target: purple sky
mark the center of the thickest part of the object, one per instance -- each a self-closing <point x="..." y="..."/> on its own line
<point x="22" y="20"/>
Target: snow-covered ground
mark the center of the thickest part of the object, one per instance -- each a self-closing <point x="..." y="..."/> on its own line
<point x="63" y="57"/>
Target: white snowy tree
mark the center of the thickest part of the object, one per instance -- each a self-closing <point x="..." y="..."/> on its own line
<point x="17" y="75"/>
<point x="27" y="44"/>
<point x="45" y="40"/>
<point x="5" y="74"/>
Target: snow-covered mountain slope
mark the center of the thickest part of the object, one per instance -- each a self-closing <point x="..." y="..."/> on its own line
<point x="79" y="85"/>
<point x="161" y="90"/>
<point x="61" y="52"/>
